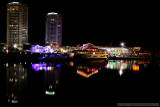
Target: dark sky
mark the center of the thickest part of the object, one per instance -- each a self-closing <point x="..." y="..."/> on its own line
<point x="100" y="23"/>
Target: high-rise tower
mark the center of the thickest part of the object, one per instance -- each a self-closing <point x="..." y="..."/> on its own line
<point x="53" y="29"/>
<point x="17" y="24"/>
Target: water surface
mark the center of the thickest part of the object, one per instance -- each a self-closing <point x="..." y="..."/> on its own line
<point x="91" y="82"/>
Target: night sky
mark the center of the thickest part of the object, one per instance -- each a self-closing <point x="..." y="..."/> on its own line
<point x="101" y="23"/>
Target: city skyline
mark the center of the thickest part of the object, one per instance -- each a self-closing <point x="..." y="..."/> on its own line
<point x="104" y="25"/>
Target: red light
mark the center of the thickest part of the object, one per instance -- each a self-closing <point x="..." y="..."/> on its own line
<point x="87" y="69"/>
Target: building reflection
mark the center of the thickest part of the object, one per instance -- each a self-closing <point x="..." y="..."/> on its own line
<point x="122" y="65"/>
<point x="52" y="72"/>
<point x="16" y="82"/>
<point x="87" y="72"/>
<point x="88" y="68"/>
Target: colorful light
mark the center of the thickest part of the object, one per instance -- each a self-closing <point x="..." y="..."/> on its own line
<point x="41" y="49"/>
<point x="86" y="75"/>
<point x="58" y="65"/>
<point x="108" y="50"/>
<point x="38" y="67"/>
<point x="100" y="68"/>
<point x="107" y="66"/>
<point x="135" y="67"/>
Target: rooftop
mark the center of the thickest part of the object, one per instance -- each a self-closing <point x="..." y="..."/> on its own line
<point x="52" y="13"/>
<point x="14" y="3"/>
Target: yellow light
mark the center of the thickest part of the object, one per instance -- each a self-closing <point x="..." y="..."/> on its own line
<point x="7" y="51"/>
<point x="83" y="74"/>
<point x="57" y="81"/>
<point x="71" y="63"/>
<point x="135" y="67"/>
<point x="6" y="64"/>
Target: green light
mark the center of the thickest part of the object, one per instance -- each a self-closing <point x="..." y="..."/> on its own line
<point x="14" y="101"/>
<point x="112" y="63"/>
<point x="130" y="68"/>
<point x="111" y="66"/>
<point x="8" y="100"/>
<point x="50" y="92"/>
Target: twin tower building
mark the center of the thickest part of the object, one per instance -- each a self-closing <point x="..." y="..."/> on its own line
<point x="17" y="26"/>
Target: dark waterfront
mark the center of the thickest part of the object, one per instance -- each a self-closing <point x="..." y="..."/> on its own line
<point x="79" y="82"/>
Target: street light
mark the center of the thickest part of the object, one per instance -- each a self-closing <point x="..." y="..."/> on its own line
<point x="15" y="45"/>
<point x="122" y="44"/>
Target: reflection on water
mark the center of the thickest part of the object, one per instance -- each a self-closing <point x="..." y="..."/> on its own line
<point x="88" y="72"/>
<point x="126" y="64"/>
<point x="51" y="75"/>
<point x="45" y="77"/>
<point x="89" y="68"/>
<point x="16" y="82"/>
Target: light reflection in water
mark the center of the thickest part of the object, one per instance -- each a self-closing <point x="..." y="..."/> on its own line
<point x="44" y="66"/>
<point x="135" y="67"/>
<point x="89" y="68"/>
<point x="87" y="74"/>
<point x="122" y="65"/>
<point x="125" y="64"/>
<point x="52" y="72"/>
<point x="16" y="82"/>
<point x="52" y="78"/>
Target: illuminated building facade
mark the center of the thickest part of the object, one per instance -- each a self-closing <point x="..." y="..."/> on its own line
<point x="17" y="24"/>
<point x="53" y="29"/>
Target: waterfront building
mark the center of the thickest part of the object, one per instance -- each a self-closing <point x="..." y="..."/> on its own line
<point x="116" y="51"/>
<point x="17" y="24"/>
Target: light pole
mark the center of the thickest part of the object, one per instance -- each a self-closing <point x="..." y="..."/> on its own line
<point x="122" y="45"/>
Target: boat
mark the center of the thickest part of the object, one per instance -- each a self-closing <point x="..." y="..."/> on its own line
<point x="92" y="54"/>
<point x="96" y="55"/>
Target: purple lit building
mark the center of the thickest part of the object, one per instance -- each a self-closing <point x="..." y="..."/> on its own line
<point x="53" y="29"/>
